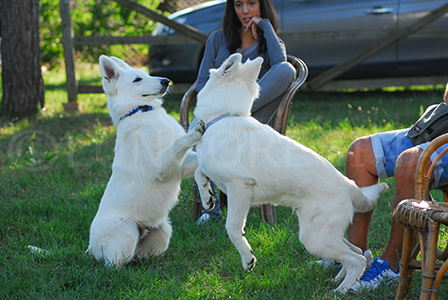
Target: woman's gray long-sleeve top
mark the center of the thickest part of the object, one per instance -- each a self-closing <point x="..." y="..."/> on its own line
<point x="216" y="52"/>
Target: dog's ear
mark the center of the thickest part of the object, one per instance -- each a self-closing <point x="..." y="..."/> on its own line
<point x="252" y="67"/>
<point x="109" y="69"/>
<point x="121" y="62"/>
<point x="230" y="63"/>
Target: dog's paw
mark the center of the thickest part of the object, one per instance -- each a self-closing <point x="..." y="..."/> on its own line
<point x="200" y="127"/>
<point x="195" y="135"/>
<point x="205" y="191"/>
<point x="249" y="266"/>
<point x="210" y="202"/>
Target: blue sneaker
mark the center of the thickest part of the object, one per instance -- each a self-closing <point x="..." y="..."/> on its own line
<point x="379" y="272"/>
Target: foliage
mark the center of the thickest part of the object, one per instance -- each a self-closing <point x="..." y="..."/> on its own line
<point x="94" y="18"/>
<point x="54" y="169"/>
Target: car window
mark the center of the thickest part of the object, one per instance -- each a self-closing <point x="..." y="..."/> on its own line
<point x="326" y="32"/>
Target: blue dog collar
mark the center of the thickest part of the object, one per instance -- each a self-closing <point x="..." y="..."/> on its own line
<point x="219" y="118"/>
<point x="143" y="108"/>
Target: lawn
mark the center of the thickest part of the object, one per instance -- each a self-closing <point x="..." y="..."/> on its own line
<point x="54" y="169"/>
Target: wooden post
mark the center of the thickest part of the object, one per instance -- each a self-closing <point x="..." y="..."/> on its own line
<point x="69" y="56"/>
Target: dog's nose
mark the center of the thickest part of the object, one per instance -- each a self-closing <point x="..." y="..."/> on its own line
<point x="165" y="82"/>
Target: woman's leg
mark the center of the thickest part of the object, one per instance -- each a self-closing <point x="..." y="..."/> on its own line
<point x="273" y="84"/>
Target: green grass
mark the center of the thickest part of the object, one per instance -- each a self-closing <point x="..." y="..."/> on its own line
<point x="54" y="169"/>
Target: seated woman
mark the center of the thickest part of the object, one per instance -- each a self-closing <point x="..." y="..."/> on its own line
<point x="249" y="28"/>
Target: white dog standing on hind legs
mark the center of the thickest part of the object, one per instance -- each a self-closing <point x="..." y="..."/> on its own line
<point x="253" y="164"/>
<point x="152" y="155"/>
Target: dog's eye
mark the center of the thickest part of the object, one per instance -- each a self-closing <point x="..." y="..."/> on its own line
<point x="137" y="79"/>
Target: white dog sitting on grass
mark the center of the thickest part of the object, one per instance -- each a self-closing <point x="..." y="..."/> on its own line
<point x="253" y="164"/>
<point x="152" y="155"/>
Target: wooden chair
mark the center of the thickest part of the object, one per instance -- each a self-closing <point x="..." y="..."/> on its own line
<point x="279" y="123"/>
<point x="421" y="220"/>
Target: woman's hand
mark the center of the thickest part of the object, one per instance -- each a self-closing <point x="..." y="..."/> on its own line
<point x="253" y="26"/>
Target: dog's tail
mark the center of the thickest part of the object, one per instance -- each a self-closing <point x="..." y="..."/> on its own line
<point x="364" y="199"/>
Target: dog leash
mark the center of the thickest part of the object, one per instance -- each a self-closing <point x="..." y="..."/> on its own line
<point x="219" y="118"/>
<point x="143" y="108"/>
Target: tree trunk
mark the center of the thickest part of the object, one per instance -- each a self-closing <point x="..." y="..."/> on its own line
<point x="23" y="86"/>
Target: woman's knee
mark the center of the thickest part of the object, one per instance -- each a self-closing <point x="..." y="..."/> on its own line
<point x="282" y="71"/>
<point x="192" y="124"/>
<point x="287" y="70"/>
<point x="360" y="162"/>
<point x="273" y="84"/>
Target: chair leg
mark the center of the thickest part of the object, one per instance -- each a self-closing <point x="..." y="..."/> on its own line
<point x="223" y="198"/>
<point x="430" y="261"/>
<point x="439" y="278"/>
<point x="267" y="213"/>
<point x="405" y="278"/>
<point x="197" y="205"/>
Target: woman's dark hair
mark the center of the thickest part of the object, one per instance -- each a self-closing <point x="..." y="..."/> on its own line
<point x="231" y="24"/>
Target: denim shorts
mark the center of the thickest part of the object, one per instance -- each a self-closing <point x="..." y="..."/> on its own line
<point x="387" y="146"/>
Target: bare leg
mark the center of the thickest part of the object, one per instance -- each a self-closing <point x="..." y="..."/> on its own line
<point x="404" y="189"/>
<point x="360" y="167"/>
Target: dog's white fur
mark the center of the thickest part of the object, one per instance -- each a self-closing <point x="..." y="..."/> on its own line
<point x="253" y="164"/>
<point x="152" y="155"/>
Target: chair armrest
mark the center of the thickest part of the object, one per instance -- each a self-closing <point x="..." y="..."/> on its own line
<point x="185" y="106"/>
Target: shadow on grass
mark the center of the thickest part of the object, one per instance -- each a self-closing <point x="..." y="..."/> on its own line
<point x="43" y="143"/>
